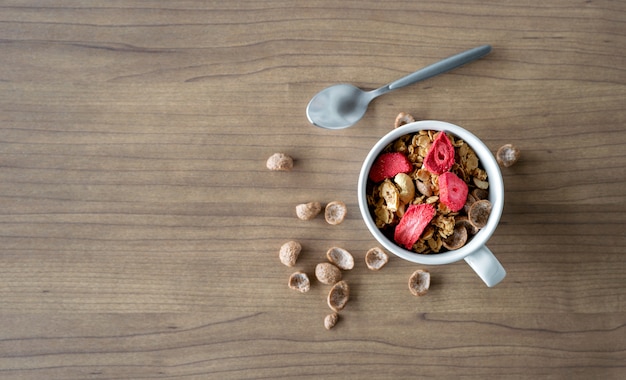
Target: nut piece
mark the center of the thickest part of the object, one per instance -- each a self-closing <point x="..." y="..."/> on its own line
<point x="335" y="212"/>
<point x="389" y="192"/>
<point x="308" y="211"/>
<point x="289" y="253"/>
<point x="331" y="320"/>
<point x="341" y="258"/>
<point x="327" y="273"/>
<point x="478" y="214"/>
<point x="419" y="282"/>
<point x="299" y="281"/>
<point x="507" y="155"/>
<point x="424" y="188"/>
<point x="406" y="186"/>
<point x="279" y="162"/>
<point x="338" y="296"/>
<point x="376" y="258"/>
<point x="403" y="118"/>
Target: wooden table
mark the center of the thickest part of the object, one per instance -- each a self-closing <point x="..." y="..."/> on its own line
<point x="140" y="228"/>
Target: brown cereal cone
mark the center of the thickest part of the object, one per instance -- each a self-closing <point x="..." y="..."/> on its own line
<point x="335" y="212"/>
<point x="419" y="282"/>
<point x="338" y="296"/>
<point x="327" y="273"/>
<point x="341" y="258"/>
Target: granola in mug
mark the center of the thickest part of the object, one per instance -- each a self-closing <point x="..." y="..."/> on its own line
<point x="421" y="190"/>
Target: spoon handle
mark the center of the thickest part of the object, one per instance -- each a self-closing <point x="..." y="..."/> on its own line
<point x="440" y="67"/>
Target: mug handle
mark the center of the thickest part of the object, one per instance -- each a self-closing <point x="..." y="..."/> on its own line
<point x="486" y="266"/>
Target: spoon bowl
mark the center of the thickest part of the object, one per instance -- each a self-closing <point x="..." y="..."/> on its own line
<point x="338" y="106"/>
<point x="342" y="105"/>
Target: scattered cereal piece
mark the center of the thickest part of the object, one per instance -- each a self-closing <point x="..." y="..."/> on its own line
<point x="403" y="118"/>
<point x="299" y="281"/>
<point x="440" y="157"/>
<point x="341" y="258"/>
<point x="327" y="273"/>
<point x="338" y="296"/>
<point x="335" y="212"/>
<point x="412" y="224"/>
<point x="452" y="191"/>
<point x="457" y="239"/>
<point x="419" y="282"/>
<point x="289" y="253"/>
<point x="507" y="155"/>
<point x="308" y="211"/>
<point x="279" y="162"/>
<point x="331" y="320"/>
<point x="376" y="258"/>
<point x="478" y="214"/>
<point x="387" y="165"/>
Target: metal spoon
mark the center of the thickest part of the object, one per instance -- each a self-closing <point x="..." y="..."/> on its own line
<point x="342" y="105"/>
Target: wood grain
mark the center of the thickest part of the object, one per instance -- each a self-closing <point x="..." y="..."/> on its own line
<point x="140" y="229"/>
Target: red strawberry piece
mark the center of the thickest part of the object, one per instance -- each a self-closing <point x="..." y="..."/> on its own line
<point x="413" y="223"/>
<point x="387" y="165"/>
<point x="452" y="191"/>
<point x="440" y="156"/>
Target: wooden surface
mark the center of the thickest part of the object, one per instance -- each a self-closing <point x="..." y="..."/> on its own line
<point x="139" y="227"/>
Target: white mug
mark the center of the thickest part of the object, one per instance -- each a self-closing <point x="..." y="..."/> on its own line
<point x="475" y="252"/>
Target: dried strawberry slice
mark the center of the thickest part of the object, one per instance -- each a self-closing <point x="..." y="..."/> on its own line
<point x="412" y="224"/>
<point x="387" y="165"/>
<point x="452" y="191"/>
<point x="440" y="156"/>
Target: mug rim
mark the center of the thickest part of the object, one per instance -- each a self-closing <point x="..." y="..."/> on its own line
<point x="496" y="192"/>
